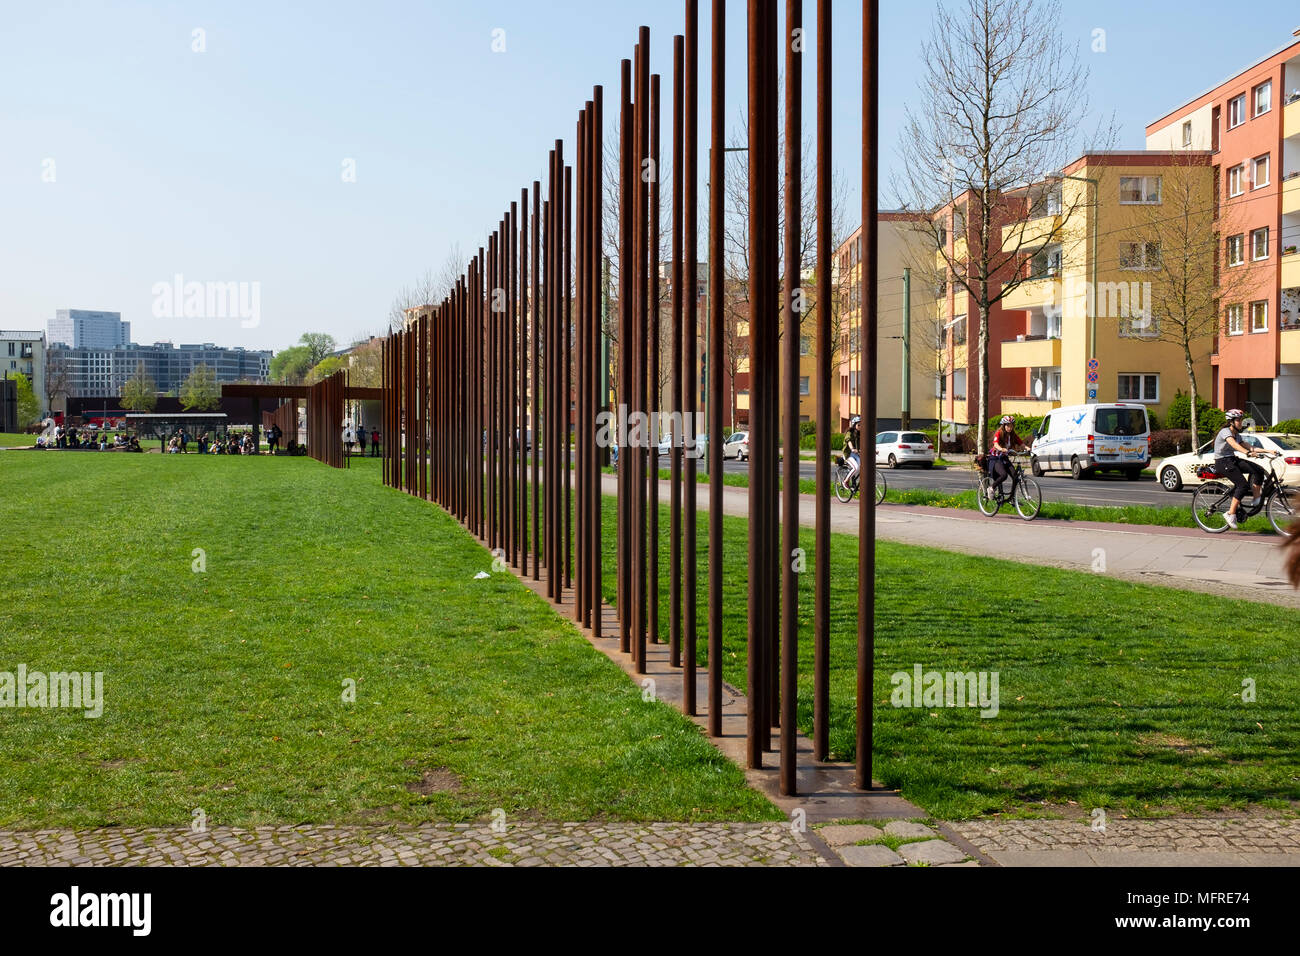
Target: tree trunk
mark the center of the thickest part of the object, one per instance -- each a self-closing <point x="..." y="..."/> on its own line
<point x="982" y="407"/>
<point x="1191" y="384"/>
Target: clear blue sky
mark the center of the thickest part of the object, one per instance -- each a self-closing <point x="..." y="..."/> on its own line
<point x="226" y="165"/>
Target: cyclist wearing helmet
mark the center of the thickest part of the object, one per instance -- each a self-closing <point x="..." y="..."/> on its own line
<point x="852" y="446"/>
<point x="1005" y="441"/>
<point x="1226" y="463"/>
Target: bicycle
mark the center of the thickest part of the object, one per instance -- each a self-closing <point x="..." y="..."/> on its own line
<point x="1212" y="500"/>
<point x="846" y="488"/>
<point x="1024" y="493"/>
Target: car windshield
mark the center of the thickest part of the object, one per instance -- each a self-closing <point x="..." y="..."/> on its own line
<point x="914" y="437"/>
<point x="1121" y="421"/>
<point x="1285" y="442"/>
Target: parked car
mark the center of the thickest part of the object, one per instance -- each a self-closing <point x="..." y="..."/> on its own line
<point x="1179" y="471"/>
<point x="904" y="448"/>
<point x="701" y="445"/>
<point x="1084" y="439"/>
<point x="737" y="446"/>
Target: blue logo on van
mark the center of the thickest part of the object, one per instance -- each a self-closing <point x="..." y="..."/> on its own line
<point x="1080" y="417"/>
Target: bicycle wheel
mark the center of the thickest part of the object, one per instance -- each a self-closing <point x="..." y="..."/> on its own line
<point x="1029" y="499"/>
<point x="1283" y="509"/>
<point x="842" y="490"/>
<point x="881" y="487"/>
<point x="987" y="505"/>
<point x="1210" y="506"/>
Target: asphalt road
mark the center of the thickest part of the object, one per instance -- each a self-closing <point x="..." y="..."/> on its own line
<point x="1102" y="490"/>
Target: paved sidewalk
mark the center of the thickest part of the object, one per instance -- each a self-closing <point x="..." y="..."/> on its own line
<point x="556" y="844"/>
<point x="1179" y="841"/>
<point x="1232" y="564"/>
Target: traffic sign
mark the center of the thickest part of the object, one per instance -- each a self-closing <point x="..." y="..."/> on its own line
<point x="1092" y="377"/>
<point x="1092" y="393"/>
<point x="1093" y="365"/>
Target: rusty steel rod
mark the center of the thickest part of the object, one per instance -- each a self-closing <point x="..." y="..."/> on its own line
<point x="596" y="366"/>
<point x="822" y="556"/>
<point x="637" y="451"/>
<point x="624" y="364"/>
<point x="579" y="396"/>
<point x="566" y="359"/>
<point x="690" y="331"/>
<point x="793" y="295"/>
<point x="870" y="357"/>
<point x="675" y="377"/>
<point x="717" y="311"/>
<point x="652" y="373"/>
<point x="764" y="370"/>
<point x="535" y="337"/>
<point x="522" y="346"/>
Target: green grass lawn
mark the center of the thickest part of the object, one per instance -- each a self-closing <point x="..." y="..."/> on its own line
<point x="223" y="690"/>
<point x="10" y="440"/>
<point x="1112" y="694"/>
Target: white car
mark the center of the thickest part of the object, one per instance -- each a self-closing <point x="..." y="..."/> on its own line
<point x="904" y="448"/>
<point x="736" y="446"/>
<point x="1179" y="471"/>
<point x="664" y="449"/>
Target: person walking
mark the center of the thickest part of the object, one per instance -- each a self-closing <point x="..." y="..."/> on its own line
<point x="361" y="440"/>
<point x="374" y="443"/>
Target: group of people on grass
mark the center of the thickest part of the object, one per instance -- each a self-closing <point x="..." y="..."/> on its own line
<point x="86" y="439"/>
<point x="358" y="438"/>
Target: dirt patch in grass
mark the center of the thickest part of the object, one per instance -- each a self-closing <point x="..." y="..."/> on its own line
<point x="439" y="780"/>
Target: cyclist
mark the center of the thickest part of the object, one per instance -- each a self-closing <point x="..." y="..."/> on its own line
<point x="1226" y="463"/>
<point x="1005" y="441"/>
<point x="852" y="446"/>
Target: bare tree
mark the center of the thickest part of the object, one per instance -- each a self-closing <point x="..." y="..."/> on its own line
<point x="1187" y="290"/>
<point x="1000" y="103"/>
<point x="58" y="377"/>
<point x="429" y="289"/>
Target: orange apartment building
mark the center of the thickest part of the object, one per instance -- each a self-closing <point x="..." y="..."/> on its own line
<point x="1251" y="125"/>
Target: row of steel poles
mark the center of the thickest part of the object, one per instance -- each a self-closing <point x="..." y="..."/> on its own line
<point x="325" y="412"/>
<point x="495" y="399"/>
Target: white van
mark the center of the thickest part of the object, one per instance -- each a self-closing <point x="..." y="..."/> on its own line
<point x="1084" y="439"/>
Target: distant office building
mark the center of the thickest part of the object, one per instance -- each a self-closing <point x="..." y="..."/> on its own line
<point x="103" y="372"/>
<point x="25" y="352"/>
<point x="87" y="329"/>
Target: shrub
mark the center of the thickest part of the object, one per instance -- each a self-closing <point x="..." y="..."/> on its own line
<point x="1170" y="441"/>
<point x="837" y="441"/>
<point x="807" y="430"/>
<point x="1025" y="426"/>
<point x="1291" y="426"/>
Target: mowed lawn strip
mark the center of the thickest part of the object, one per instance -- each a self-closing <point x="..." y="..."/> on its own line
<point x="224" y="689"/>
<point x="1111" y="694"/>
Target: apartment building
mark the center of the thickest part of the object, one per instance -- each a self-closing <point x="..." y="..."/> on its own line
<point x="1102" y="245"/>
<point x="24" y="351"/>
<point x="89" y="329"/>
<point x="901" y="247"/>
<point x="807" y="353"/>
<point x="91" y="372"/>
<point x="1250" y="123"/>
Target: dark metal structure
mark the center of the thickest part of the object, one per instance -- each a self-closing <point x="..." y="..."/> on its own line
<point x="496" y="402"/>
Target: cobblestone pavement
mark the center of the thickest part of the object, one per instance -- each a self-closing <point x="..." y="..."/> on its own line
<point x="913" y="844"/>
<point x="554" y="844"/>
<point x="1198" y="841"/>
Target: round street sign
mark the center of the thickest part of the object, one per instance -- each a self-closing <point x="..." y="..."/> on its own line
<point x="1092" y="377"/>
<point x="1093" y="365"/>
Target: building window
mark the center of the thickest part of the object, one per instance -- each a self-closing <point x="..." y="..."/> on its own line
<point x="1139" y="190"/>
<point x="959" y="222"/>
<point x="1139" y="255"/>
<point x="941" y="237"/>
<point x="1236" y="250"/>
<point x="1187" y="134"/>
<point x="1236" y="111"/>
<point x="1233" y="320"/>
<point x="1259" y="316"/>
<point x="1236" y="175"/>
<point x="1263" y="98"/>
<point x="804" y="387"/>
<point x="805" y="344"/>
<point x="1259" y="244"/>
<point x="1259" y="172"/>
<point x="1139" y="388"/>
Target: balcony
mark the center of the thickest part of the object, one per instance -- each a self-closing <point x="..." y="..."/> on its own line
<point x="1291" y="195"/>
<point x="1027" y="405"/>
<point x="1034" y="294"/>
<point x="1291" y="271"/>
<point x="1031" y="352"/>
<point x="1289" y="347"/>
<point x="1031" y="232"/>
<point x="1291" y="120"/>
